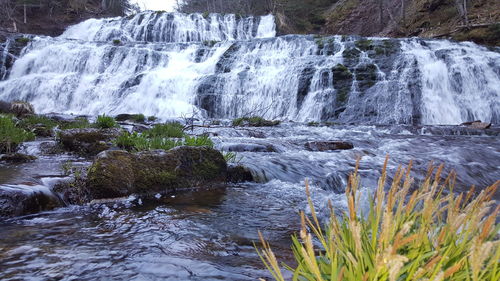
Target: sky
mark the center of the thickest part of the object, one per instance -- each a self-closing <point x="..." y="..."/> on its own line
<point x="166" y="5"/>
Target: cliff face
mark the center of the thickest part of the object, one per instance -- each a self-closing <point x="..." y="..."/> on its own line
<point x="52" y="17"/>
<point x="423" y="18"/>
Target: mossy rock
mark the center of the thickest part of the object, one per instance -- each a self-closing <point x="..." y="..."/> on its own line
<point x="366" y="75"/>
<point x="342" y="81"/>
<point x="17" y="158"/>
<point x="120" y="173"/>
<point x="255" y="121"/>
<point x="16" y="201"/>
<point x="351" y="53"/>
<point x="364" y="44"/>
<point x="88" y="141"/>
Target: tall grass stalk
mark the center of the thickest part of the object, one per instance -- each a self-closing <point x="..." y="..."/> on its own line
<point x="425" y="232"/>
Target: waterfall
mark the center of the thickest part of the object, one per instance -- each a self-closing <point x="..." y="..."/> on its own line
<point x="4" y="58"/>
<point x="224" y="66"/>
<point x="173" y="27"/>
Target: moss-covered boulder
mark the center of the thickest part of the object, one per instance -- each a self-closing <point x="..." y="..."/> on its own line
<point x="88" y="141"/>
<point x="119" y="173"/>
<point x="17" y="158"/>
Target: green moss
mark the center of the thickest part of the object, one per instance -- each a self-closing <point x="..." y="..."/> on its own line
<point x="23" y="40"/>
<point x="149" y="178"/>
<point x="152" y="118"/>
<point x="78" y="123"/>
<point x="351" y="53"/>
<point x="205" y="15"/>
<point x="210" y="43"/>
<point x="340" y="71"/>
<point x="313" y="124"/>
<point x="117" y="42"/>
<point x="364" y="44"/>
<point x="254" y="121"/>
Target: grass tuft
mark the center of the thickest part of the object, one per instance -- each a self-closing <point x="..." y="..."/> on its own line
<point x="105" y="122"/>
<point x="166" y="130"/>
<point x="424" y="232"/>
<point x="11" y="136"/>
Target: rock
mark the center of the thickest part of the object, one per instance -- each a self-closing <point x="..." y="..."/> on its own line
<point x="88" y="141"/>
<point x="470" y="123"/>
<point x="255" y="121"/>
<point x="5" y="107"/>
<point x="18" y="200"/>
<point x="119" y="173"/>
<point x="17" y="158"/>
<point x="21" y="109"/>
<point x="237" y="174"/>
<point x="248" y="147"/>
<point x="42" y="131"/>
<point x="328" y="145"/>
<point x="479" y="125"/>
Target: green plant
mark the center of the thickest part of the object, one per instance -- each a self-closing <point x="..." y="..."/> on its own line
<point x="78" y="123"/>
<point x="210" y="43"/>
<point x="152" y="118"/>
<point x="422" y="233"/>
<point x="166" y="130"/>
<point x="105" y="122"/>
<point x="198" y="141"/>
<point x="139" y="118"/>
<point x="254" y="121"/>
<point x="33" y="120"/>
<point x="23" y="40"/>
<point x="11" y="136"/>
<point x="231" y="157"/>
<point x="205" y="15"/>
<point x="117" y="42"/>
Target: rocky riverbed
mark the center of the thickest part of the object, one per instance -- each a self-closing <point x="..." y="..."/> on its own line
<point x="205" y="233"/>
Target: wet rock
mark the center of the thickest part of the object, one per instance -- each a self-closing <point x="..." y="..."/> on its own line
<point x="21" y="109"/>
<point x="51" y="147"/>
<point x="88" y="141"/>
<point x="477" y="125"/>
<point x="43" y="131"/>
<point x="17" y="158"/>
<point x="237" y="174"/>
<point x="248" y="147"/>
<point x="328" y="145"/>
<point x="18" y="200"/>
<point x="5" y="107"/>
<point x="120" y="173"/>
<point x="255" y="122"/>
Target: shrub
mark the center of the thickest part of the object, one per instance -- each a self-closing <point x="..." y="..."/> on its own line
<point x="167" y="130"/>
<point x="11" y="136"/>
<point x="105" y="122"/>
<point x="427" y="233"/>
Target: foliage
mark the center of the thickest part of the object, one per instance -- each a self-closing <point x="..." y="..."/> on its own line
<point x="424" y="233"/>
<point x="231" y="157"/>
<point x="31" y="121"/>
<point x="139" y="118"/>
<point x="166" y="130"/>
<point x="11" y="136"/>
<point x="117" y="42"/>
<point x="152" y="118"/>
<point x="105" y="122"/>
<point x="78" y="123"/>
<point x="23" y="40"/>
<point x="254" y="121"/>
<point x="141" y="142"/>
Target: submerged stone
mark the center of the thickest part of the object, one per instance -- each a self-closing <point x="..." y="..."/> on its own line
<point x="328" y="145"/>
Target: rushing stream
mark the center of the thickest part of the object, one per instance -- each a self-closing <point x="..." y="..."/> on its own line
<point x="396" y="97"/>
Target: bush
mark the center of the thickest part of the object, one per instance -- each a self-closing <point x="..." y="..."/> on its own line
<point x="105" y="122"/>
<point x="11" y="136"/>
<point x="167" y="130"/>
<point x="427" y="233"/>
<point x="198" y="141"/>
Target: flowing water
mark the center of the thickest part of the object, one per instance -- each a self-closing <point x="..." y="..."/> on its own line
<point x="392" y="97"/>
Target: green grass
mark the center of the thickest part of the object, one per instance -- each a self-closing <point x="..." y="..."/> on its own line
<point x="31" y="121"/>
<point x="166" y="130"/>
<point x="105" y="122"/>
<point x="142" y="142"/>
<point x="139" y="118"/>
<point x="424" y="232"/>
<point x="11" y="136"/>
<point x="78" y="123"/>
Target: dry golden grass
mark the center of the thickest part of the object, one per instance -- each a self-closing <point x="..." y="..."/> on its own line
<point x="410" y="233"/>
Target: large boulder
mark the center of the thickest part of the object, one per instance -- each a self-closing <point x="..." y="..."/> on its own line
<point x="88" y="141"/>
<point x="18" y="200"/>
<point x="118" y="173"/>
<point x="21" y="109"/>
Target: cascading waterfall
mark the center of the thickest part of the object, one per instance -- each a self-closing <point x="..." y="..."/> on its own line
<point x="4" y="58"/>
<point x="171" y="64"/>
